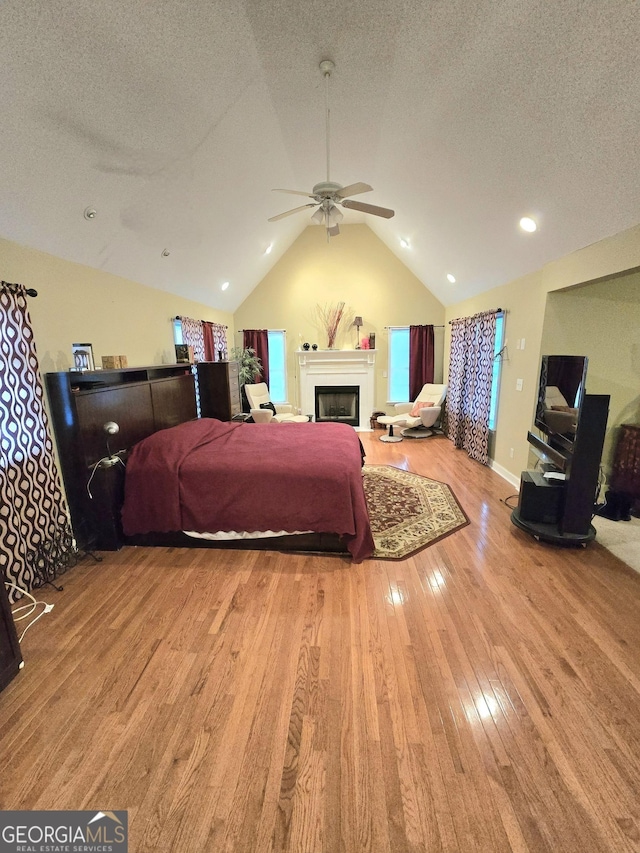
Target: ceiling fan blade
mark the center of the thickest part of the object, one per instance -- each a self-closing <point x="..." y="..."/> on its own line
<point x="354" y="189"/>
<point x="289" y="212"/>
<point x="369" y="208"/>
<point x="293" y="192"/>
<point x="333" y="231"/>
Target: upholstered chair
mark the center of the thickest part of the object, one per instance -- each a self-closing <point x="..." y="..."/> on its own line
<point x="261" y="416"/>
<point x="418" y="418"/>
<point x="281" y="413"/>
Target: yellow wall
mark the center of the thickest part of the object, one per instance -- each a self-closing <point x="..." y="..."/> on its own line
<point x="616" y="254"/>
<point x="355" y="268"/>
<point x="525" y="301"/>
<point x="77" y="304"/>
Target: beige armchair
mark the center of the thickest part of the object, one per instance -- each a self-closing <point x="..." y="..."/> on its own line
<point x="262" y="416"/>
<point x="417" y="421"/>
<point x="259" y="394"/>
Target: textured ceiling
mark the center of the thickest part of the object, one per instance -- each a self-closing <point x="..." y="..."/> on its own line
<point x="175" y="119"/>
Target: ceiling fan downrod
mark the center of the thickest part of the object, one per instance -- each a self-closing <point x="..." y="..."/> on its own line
<point x="327" y="66"/>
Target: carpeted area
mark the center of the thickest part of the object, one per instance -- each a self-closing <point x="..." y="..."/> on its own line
<point x="622" y="538"/>
<point x="407" y="511"/>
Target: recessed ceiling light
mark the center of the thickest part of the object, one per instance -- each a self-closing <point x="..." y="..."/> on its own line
<point x="404" y="243"/>
<point x="528" y="224"/>
<point x="89" y="213"/>
<point x="267" y="251"/>
<point x="165" y="253"/>
<point x="451" y="278"/>
<point x="225" y="285"/>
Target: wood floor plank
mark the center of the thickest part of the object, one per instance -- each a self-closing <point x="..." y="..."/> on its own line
<point x="480" y="695"/>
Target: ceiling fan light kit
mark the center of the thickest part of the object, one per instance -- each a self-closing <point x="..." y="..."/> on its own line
<point x="327" y="195"/>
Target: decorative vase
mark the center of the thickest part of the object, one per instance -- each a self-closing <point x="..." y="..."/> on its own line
<point x="314" y="347"/>
<point x="305" y="346"/>
<point x="330" y="320"/>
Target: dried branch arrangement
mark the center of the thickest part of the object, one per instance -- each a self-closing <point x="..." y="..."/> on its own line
<point x="331" y="317"/>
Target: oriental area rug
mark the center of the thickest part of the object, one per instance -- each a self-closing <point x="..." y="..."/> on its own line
<point x="407" y="511"/>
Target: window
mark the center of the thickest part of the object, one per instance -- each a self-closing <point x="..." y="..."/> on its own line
<point x="277" y="365"/>
<point x="177" y="331"/>
<point x="399" y="364"/>
<point x="497" y="367"/>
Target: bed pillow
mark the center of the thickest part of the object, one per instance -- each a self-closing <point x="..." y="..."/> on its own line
<point x="419" y="404"/>
<point x="268" y="406"/>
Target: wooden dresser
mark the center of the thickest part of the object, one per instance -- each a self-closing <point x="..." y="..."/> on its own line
<point x="10" y="657"/>
<point x="625" y="475"/>
<point x="219" y="388"/>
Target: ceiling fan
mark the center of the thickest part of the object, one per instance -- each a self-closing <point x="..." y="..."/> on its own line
<point x="328" y="196"/>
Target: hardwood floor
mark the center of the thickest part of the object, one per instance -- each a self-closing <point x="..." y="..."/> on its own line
<point x="482" y="695"/>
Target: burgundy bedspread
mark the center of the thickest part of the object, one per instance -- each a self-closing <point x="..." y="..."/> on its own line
<point x="210" y="476"/>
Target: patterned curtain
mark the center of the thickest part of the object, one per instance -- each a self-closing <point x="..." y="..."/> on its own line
<point x="193" y="336"/>
<point x="33" y="511"/>
<point x="215" y="341"/>
<point x="469" y="392"/>
<point x="258" y="340"/>
<point x="421" y="358"/>
<point x="220" y="340"/>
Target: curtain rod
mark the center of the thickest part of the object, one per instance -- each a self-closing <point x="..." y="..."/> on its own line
<point x="28" y="290"/>
<point x="179" y="317"/>
<point x="479" y="314"/>
<point x="238" y="331"/>
<point x="406" y="327"/>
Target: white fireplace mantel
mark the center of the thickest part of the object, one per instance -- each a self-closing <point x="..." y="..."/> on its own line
<point x="338" y="367"/>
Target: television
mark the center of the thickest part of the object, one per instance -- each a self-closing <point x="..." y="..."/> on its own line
<point x="561" y="391"/>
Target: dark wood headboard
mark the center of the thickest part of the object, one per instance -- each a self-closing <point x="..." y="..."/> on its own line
<point x="139" y="409"/>
<point x="141" y="401"/>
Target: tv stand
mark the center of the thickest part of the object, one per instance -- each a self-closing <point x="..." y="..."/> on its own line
<point x="581" y="466"/>
<point x="552" y="532"/>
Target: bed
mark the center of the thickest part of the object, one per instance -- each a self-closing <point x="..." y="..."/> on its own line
<point x="207" y="476"/>
<point x="291" y="468"/>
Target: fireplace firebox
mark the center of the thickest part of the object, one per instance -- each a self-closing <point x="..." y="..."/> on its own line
<point x="338" y="403"/>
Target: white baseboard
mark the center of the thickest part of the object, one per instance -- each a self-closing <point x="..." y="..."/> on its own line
<point x="506" y="475"/>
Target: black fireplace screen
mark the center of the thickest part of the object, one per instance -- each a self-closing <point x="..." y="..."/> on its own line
<point x="339" y="403"/>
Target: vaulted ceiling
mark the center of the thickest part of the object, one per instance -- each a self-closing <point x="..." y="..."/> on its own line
<point x="174" y="119"/>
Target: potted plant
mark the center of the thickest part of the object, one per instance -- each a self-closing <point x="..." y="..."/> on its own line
<point x="249" y="365"/>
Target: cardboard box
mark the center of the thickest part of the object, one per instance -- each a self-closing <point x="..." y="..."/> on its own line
<point x="114" y="362"/>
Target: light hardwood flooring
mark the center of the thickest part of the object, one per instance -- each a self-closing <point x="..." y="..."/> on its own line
<point x="483" y="695"/>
